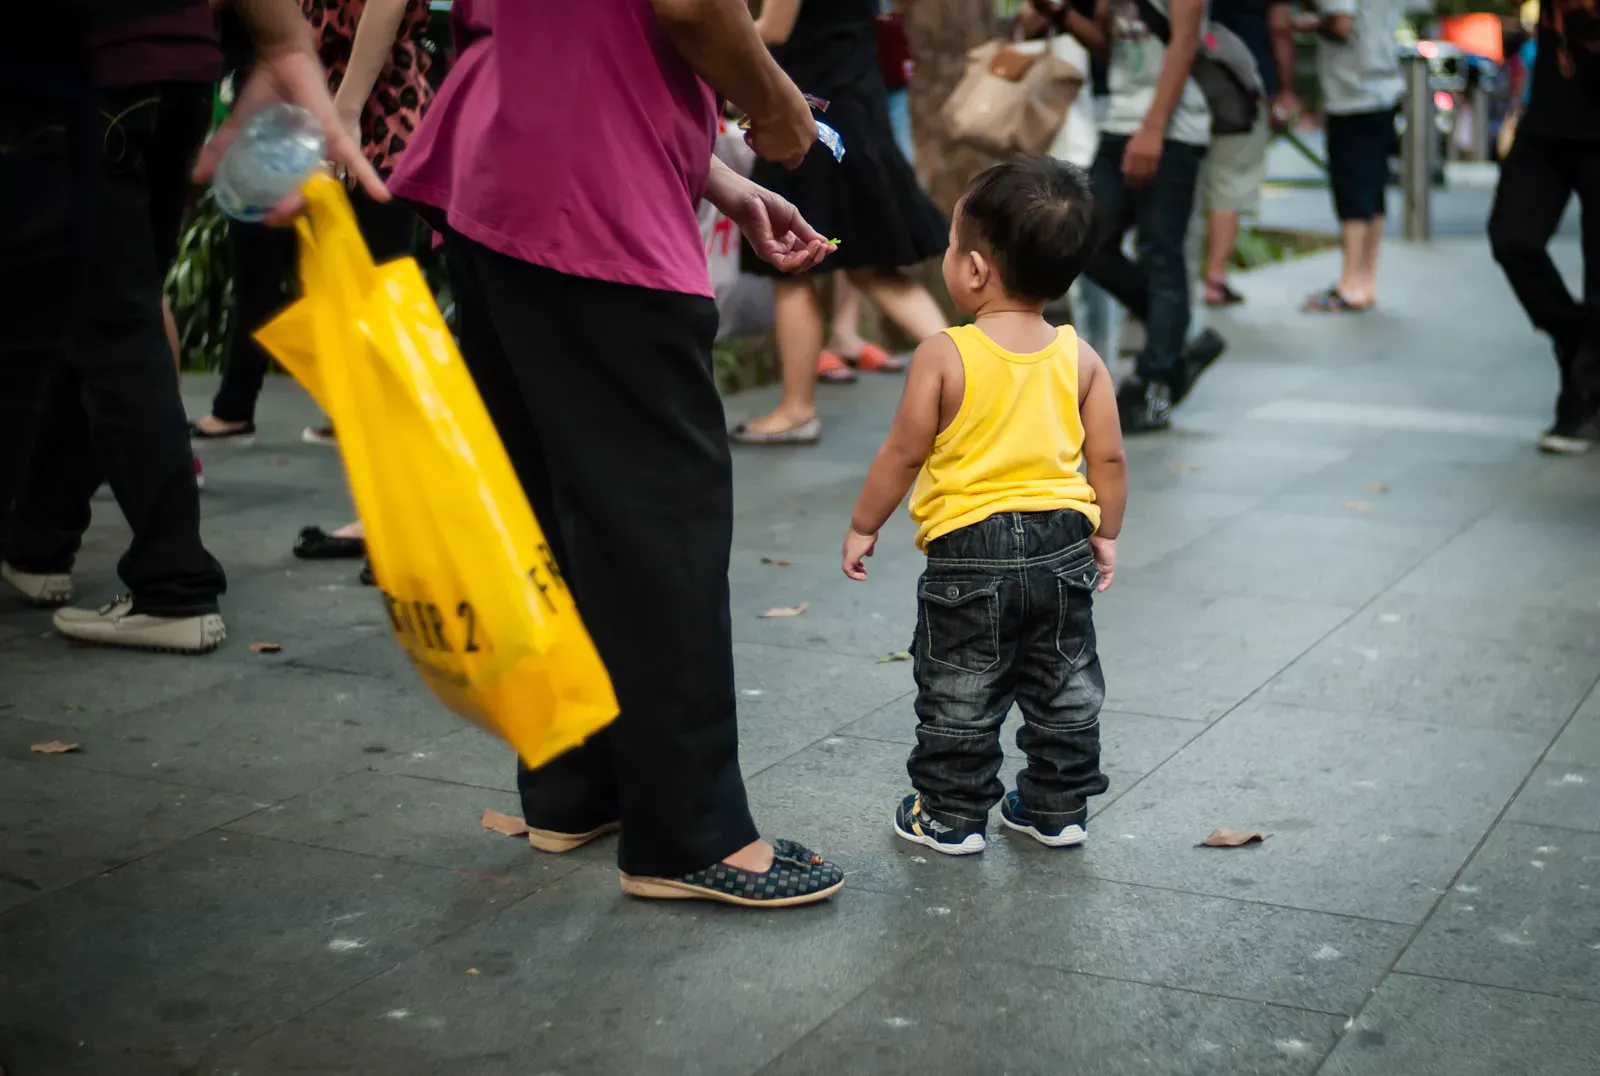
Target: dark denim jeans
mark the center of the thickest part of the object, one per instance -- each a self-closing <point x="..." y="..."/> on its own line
<point x="1005" y="614"/>
<point x="1156" y="288"/>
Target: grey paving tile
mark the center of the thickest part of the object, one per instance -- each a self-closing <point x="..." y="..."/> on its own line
<point x="221" y="938"/>
<point x="1489" y="562"/>
<point x="1526" y="914"/>
<point x="270" y="735"/>
<point x="1158" y="522"/>
<point x="1392" y="667"/>
<point x="1368" y="816"/>
<point x="62" y="824"/>
<point x="1268" y="554"/>
<point x="1560" y="794"/>
<point x="1176" y="654"/>
<point x="601" y="983"/>
<point x="1394" y="488"/>
<point x="468" y="756"/>
<point x="1424" y="1027"/>
<point x="1400" y="615"/>
<point x="1580" y="742"/>
<point x="1223" y="466"/>
<point x="995" y="1017"/>
<point x="28" y="1052"/>
<point x="1062" y="918"/>
<point x="434" y="823"/>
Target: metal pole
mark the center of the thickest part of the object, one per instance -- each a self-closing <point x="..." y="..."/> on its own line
<point x="1416" y="158"/>
<point x="1480" y="122"/>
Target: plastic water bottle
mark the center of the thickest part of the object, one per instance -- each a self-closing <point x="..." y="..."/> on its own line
<point x="275" y="153"/>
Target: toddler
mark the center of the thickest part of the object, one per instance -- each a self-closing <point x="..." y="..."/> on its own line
<point x="1009" y="428"/>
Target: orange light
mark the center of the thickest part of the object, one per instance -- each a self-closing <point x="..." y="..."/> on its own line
<point x="1443" y="101"/>
<point x="1428" y="49"/>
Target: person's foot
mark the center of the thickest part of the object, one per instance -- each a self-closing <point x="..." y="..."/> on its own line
<point x="367" y="577"/>
<point x="211" y="428"/>
<point x="1144" y="406"/>
<point x="1218" y="293"/>
<point x="314" y="543"/>
<point x="38" y="588"/>
<point x="778" y="428"/>
<point x="833" y="370"/>
<point x="556" y="842"/>
<point x="1576" y="428"/>
<point x="796" y="875"/>
<point x="913" y="823"/>
<point x="116" y="624"/>
<point x="871" y="359"/>
<point x="1198" y="355"/>
<point x="319" y="435"/>
<point x="1016" y="816"/>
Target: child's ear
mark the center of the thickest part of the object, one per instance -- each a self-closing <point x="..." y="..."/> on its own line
<point x="978" y="271"/>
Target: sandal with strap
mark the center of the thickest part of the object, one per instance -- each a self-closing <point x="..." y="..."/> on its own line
<point x="1333" y="301"/>
<point x="832" y="370"/>
<point x="1219" y="293"/>
<point x="797" y="876"/>
<point x="873" y="359"/>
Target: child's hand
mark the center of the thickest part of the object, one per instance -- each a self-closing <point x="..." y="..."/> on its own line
<point x="857" y="547"/>
<point x="1105" y="558"/>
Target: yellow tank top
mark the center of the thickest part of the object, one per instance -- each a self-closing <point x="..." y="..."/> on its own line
<point x="1016" y="443"/>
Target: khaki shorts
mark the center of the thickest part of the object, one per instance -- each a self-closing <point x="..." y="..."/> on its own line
<point x="1236" y="167"/>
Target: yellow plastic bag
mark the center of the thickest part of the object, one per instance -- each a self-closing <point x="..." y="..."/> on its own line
<point x="471" y="588"/>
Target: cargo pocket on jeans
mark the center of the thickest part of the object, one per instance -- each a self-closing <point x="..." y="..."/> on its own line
<point x="1074" y="627"/>
<point x="962" y="617"/>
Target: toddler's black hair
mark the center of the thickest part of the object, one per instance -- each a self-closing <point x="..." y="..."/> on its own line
<point x="1035" y="218"/>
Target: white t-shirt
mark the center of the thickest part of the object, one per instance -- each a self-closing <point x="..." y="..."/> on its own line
<point x="1136" y="58"/>
<point x="1361" y="74"/>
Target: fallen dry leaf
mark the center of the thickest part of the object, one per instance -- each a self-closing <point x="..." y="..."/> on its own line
<point x="898" y="655"/>
<point x="783" y="611"/>
<point x="1360" y="508"/>
<point x="504" y="823"/>
<point x="777" y="562"/>
<point x="265" y="648"/>
<point x="1231" y="838"/>
<point x="472" y="971"/>
<point x="1180" y="465"/>
<point x="53" y="747"/>
<point x="1377" y="487"/>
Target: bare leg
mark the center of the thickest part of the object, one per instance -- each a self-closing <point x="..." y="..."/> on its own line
<point x="903" y="300"/>
<point x="798" y="316"/>
<point x="1352" y="245"/>
<point x="845" y="333"/>
<point x="1224" y="229"/>
<point x="1368" y="281"/>
<point x="351" y="530"/>
<point x="172" y="335"/>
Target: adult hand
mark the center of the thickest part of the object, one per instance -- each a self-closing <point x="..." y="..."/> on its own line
<point x="1105" y="558"/>
<point x="1285" y="109"/>
<point x="290" y="72"/>
<point x="786" y="136"/>
<point x="1142" y="157"/>
<point x="775" y="229"/>
<point x="858" y="547"/>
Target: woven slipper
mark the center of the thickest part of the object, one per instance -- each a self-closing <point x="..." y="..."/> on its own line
<point x="314" y="543"/>
<point x="1332" y="302"/>
<point x="832" y="370"/>
<point x="872" y="359"/>
<point x="797" y="876"/>
<point x="807" y="433"/>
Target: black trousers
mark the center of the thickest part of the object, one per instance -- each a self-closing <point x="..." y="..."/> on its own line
<point x="263" y="262"/>
<point x="1537" y="180"/>
<point x="603" y="395"/>
<point x="113" y="413"/>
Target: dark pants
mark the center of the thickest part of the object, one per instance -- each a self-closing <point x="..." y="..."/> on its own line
<point x="1005" y="614"/>
<point x="113" y="412"/>
<point x="263" y="261"/>
<point x="603" y="395"/>
<point x="1537" y="180"/>
<point x="1359" y="147"/>
<point x="1155" y="289"/>
<point x="49" y="161"/>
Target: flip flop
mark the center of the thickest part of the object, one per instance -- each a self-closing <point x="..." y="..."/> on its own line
<point x="807" y="433"/>
<point x="1332" y="302"/>
<point x="1224" y="295"/>
<point x="873" y="359"/>
<point x="832" y="370"/>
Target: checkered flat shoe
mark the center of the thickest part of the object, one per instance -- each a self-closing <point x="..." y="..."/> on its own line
<point x="797" y="876"/>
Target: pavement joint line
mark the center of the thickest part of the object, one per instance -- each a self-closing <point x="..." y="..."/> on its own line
<point x="1525" y="824"/>
<point x="1170" y="986"/>
<point x="1594" y="1000"/>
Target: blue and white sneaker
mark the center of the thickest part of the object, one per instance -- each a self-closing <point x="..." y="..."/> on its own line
<point x="1016" y="817"/>
<point x="915" y="824"/>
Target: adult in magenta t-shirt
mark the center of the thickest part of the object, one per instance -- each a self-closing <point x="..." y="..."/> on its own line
<point x="562" y="161"/>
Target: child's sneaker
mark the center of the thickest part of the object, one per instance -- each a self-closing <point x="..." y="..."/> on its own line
<point x="1016" y="816"/>
<point x="916" y="825"/>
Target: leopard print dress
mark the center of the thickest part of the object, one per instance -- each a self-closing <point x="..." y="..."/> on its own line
<point x="401" y="92"/>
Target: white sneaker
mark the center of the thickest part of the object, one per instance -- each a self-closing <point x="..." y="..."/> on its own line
<point x="115" y="624"/>
<point x="37" y="589"/>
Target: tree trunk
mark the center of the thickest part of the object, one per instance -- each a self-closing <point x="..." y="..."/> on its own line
<point x="940" y="33"/>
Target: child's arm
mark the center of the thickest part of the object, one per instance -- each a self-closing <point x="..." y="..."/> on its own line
<point x="1103" y="457"/>
<point x="904" y="451"/>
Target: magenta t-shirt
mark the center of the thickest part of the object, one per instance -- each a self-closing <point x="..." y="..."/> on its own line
<point x="570" y="135"/>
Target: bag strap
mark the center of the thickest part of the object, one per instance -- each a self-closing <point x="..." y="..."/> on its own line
<point x="1154" y="19"/>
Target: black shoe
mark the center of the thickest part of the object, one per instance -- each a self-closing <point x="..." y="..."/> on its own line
<point x="916" y="825"/>
<point x="1144" y="406"/>
<point x="242" y="435"/>
<point x="1202" y="351"/>
<point x="1016" y="817"/>
<point x="797" y="876"/>
<point x="368" y="579"/>
<point x="314" y="543"/>
<point x="1577" y="421"/>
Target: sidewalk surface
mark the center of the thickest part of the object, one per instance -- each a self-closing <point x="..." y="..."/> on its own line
<point x="1355" y="610"/>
